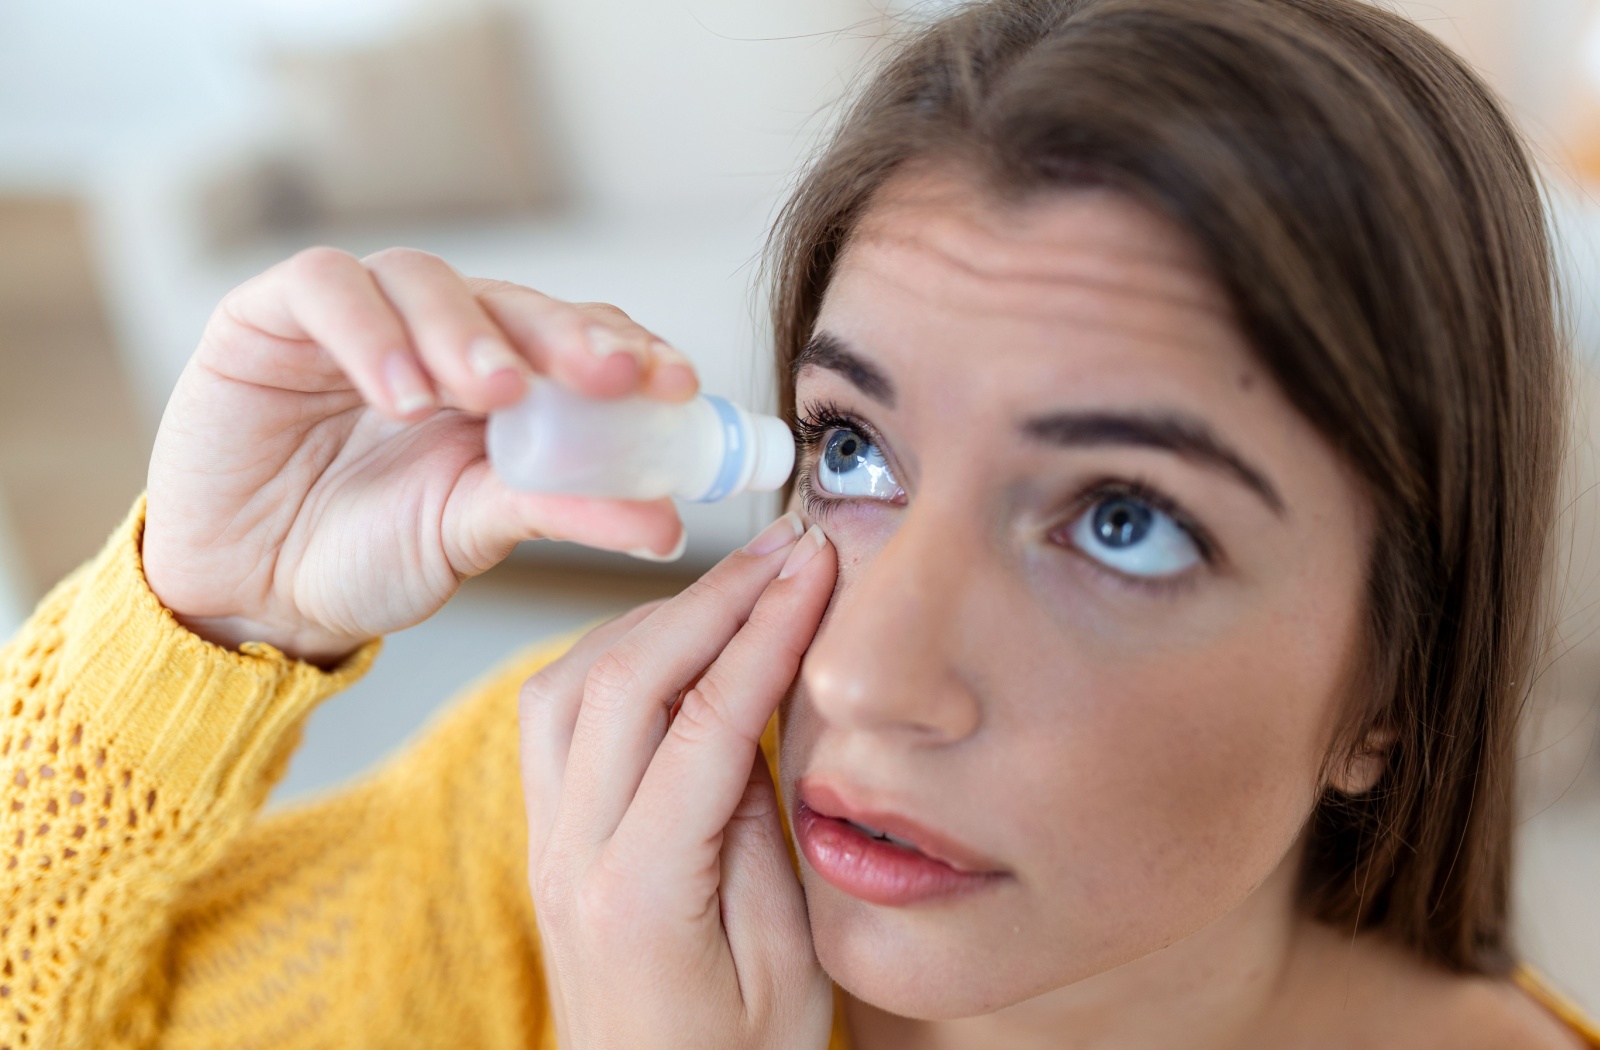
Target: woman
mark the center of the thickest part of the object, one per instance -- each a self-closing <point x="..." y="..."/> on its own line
<point x="1181" y="394"/>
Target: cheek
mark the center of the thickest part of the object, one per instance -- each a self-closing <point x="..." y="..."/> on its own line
<point x="1163" y="790"/>
<point x="857" y="530"/>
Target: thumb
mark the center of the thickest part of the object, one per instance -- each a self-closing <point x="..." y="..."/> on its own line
<point x="485" y="519"/>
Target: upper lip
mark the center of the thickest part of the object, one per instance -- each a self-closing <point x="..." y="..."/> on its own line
<point x="830" y="798"/>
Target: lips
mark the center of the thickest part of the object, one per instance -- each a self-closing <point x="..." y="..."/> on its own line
<point x="880" y="856"/>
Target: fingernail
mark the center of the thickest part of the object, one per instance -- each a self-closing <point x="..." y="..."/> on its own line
<point x="646" y="554"/>
<point x="603" y="342"/>
<point x="406" y="385"/>
<point x="667" y="354"/>
<point x="488" y="355"/>
<point x="776" y="536"/>
<point x="807" y="549"/>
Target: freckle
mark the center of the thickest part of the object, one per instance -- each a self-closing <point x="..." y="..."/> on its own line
<point x="1246" y="381"/>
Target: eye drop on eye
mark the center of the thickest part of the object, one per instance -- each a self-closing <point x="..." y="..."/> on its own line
<point x="635" y="448"/>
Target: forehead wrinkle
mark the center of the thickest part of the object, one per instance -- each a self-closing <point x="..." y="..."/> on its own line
<point x="1079" y="237"/>
<point x="1090" y="274"/>
<point x="1091" y="305"/>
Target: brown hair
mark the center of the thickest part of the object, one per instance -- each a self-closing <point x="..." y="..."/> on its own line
<point x="1374" y="218"/>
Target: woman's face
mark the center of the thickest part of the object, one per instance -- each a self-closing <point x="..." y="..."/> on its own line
<point x="1099" y="607"/>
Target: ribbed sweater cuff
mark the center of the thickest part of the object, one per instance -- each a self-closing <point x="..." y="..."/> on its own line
<point x="189" y="714"/>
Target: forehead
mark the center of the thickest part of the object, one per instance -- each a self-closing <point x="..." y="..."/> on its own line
<point x="940" y="273"/>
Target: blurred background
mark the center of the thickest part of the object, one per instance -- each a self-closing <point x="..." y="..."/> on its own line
<point x="154" y="155"/>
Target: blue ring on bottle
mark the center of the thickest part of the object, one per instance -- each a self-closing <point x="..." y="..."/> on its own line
<point x="733" y="451"/>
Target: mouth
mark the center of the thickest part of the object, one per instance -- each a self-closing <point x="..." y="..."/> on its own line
<point x="883" y="857"/>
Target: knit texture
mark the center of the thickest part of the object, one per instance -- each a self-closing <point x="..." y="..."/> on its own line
<point x="147" y="903"/>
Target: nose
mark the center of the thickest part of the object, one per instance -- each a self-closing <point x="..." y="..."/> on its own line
<point x="888" y="658"/>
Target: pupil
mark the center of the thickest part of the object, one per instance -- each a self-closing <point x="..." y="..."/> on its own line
<point x="1121" y="523"/>
<point x="845" y="452"/>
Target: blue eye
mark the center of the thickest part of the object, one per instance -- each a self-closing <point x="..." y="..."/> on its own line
<point x="850" y="465"/>
<point x="1132" y="537"/>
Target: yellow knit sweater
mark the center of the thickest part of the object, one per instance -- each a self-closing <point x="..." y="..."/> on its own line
<point x="146" y="903"/>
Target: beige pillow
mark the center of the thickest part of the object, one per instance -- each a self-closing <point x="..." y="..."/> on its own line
<point x="433" y="123"/>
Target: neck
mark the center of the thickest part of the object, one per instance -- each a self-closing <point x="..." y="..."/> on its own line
<point x="1216" y="988"/>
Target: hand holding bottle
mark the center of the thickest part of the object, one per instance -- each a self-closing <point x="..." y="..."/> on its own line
<point x="319" y="477"/>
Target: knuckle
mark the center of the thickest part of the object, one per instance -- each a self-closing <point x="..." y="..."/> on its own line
<point x="703" y="713"/>
<point x="604" y="311"/>
<point x="536" y="695"/>
<point x="550" y="883"/>
<point x="319" y="264"/>
<point x="709" y="589"/>
<point x="780" y="629"/>
<point x="601" y="905"/>
<point x="396" y="259"/>
<point x="490" y="287"/>
<point x="610" y="681"/>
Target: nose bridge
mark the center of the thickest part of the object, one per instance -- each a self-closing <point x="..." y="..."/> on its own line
<point x="888" y="657"/>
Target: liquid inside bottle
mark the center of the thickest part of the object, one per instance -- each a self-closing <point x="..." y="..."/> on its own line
<point x="636" y="448"/>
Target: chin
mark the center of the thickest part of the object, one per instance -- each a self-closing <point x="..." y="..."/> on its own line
<point x="931" y="964"/>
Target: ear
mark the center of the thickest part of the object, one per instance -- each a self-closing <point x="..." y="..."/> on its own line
<point x="1363" y="767"/>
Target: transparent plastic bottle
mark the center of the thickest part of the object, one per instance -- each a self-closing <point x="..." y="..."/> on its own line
<point x="635" y="448"/>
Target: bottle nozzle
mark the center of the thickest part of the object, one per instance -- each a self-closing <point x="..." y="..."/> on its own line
<point x="774" y="453"/>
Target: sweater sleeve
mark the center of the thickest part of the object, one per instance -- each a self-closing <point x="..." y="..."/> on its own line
<point x="147" y="903"/>
<point x="133" y="755"/>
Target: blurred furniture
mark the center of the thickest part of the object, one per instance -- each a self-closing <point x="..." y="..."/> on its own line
<point x="73" y="447"/>
<point x="672" y="128"/>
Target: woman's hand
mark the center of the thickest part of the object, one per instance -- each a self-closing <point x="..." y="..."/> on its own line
<point x="668" y="911"/>
<point x="320" y="477"/>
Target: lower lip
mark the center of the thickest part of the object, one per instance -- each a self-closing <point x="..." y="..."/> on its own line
<point x="876" y="871"/>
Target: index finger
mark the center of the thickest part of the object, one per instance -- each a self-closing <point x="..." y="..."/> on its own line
<point x="631" y="688"/>
<point x="594" y="348"/>
<point x="701" y="770"/>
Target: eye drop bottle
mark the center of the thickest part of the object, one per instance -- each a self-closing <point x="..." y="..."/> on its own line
<point x="635" y="448"/>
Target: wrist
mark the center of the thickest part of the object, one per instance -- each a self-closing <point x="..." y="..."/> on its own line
<point x="317" y="648"/>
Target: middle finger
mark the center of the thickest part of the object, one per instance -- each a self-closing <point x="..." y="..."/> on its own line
<point x="633" y="686"/>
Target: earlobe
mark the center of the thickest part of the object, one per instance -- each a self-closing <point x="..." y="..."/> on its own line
<point x="1364" y="766"/>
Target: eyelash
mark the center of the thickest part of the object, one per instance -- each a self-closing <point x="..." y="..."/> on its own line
<point x="816" y="420"/>
<point x="1143" y="492"/>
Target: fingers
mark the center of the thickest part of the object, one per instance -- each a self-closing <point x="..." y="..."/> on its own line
<point x="594" y="348"/>
<point x="547" y="707"/>
<point x="485" y="518"/>
<point x="699" y="773"/>
<point x="460" y="347"/>
<point x="327" y="298"/>
<point x="412" y="335"/>
<point x="631" y="688"/>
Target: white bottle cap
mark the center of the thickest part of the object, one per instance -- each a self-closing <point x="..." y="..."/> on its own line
<point x="773" y="452"/>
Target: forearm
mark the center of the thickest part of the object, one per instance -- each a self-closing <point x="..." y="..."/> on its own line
<point x="136" y="753"/>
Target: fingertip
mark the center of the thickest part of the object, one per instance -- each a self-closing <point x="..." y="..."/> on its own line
<point x="676" y="552"/>
<point x="409" y="394"/>
<point x="672" y="382"/>
<point x="614" y="375"/>
<point x="504" y="389"/>
<point x="805" y="551"/>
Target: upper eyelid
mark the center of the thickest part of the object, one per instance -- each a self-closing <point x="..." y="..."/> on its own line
<point x="823" y="416"/>
<point x="1097" y="492"/>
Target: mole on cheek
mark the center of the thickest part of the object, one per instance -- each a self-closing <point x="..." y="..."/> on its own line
<point x="1246" y="381"/>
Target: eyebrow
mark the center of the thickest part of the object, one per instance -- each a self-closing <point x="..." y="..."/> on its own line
<point x="1173" y="432"/>
<point x="828" y="351"/>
